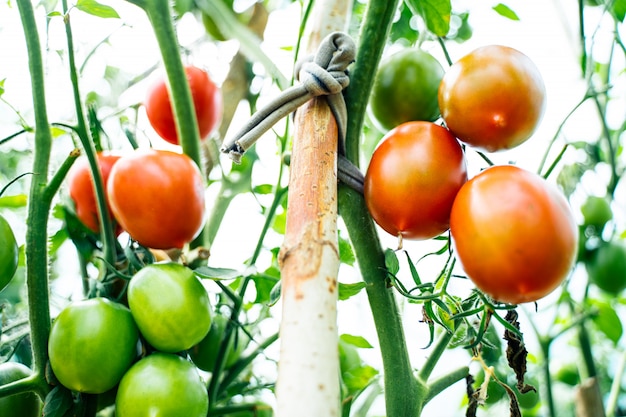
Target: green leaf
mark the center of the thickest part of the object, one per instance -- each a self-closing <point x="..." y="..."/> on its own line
<point x="97" y="9"/>
<point x="2" y="86"/>
<point x="359" y="378"/>
<point x="216" y="273"/>
<point x="607" y="320"/>
<point x="264" y="285"/>
<point x="358" y="341"/>
<point x="346" y="254"/>
<point x="436" y="14"/>
<point x="263" y="189"/>
<point x="619" y="9"/>
<point x="14" y="201"/>
<point x="348" y="290"/>
<point x="391" y="262"/>
<point x="505" y="11"/>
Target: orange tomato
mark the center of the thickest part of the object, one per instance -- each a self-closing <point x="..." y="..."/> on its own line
<point x="514" y="234"/>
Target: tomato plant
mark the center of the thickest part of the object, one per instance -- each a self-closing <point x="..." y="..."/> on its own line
<point x="9" y="252"/>
<point x="207" y="100"/>
<point x="81" y="190"/>
<point x="204" y="354"/>
<point x="164" y="385"/>
<point x="92" y="344"/>
<point x="607" y="266"/>
<point x="514" y="234"/>
<point x="492" y="98"/>
<point x="157" y="197"/>
<point x="405" y="88"/>
<point x="22" y="405"/>
<point x="170" y="305"/>
<point x="412" y="179"/>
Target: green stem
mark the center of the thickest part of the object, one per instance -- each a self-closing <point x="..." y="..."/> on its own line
<point x="616" y="387"/>
<point x="403" y="396"/>
<point x="160" y="15"/>
<point x="372" y="38"/>
<point x="38" y="206"/>
<point x="106" y="227"/>
<point x="59" y="175"/>
<point x="434" y="356"/>
<point x="545" y="344"/>
<point x="441" y="383"/>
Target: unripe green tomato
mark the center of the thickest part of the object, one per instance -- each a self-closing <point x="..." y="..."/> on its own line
<point x="162" y="385"/>
<point x="607" y="266"/>
<point x="92" y="344"/>
<point x="8" y="253"/>
<point x="170" y="305"/>
<point x="19" y="405"/>
<point x="204" y="354"/>
<point x="596" y="212"/>
<point x="405" y="89"/>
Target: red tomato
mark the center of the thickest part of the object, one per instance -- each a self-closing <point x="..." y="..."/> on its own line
<point x="514" y="234"/>
<point x="158" y="197"/>
<point x="207" y="101"/>
<point x="412" y="179"/>
<point x="493" y="98"/>
<point x="81" y="188"/>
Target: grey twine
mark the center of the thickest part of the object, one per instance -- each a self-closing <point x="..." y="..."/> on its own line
<point x="322" y="74"/>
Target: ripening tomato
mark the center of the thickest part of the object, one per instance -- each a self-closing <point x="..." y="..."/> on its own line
<point x="412" y="179"/>
<point x="19" y="405"/>
<point x="92" y="344"/>
<point x="170" y="305"/>
<point x="514" y="234"/>
<point x="163" y="385"/>
<point x="405" y="88"/>
<point x="81" y="188"/>
<point x="207" y="101"/>
<point x="158" y="197"/>
<point x="493" y="98"/>
<point x="9" y="253"/>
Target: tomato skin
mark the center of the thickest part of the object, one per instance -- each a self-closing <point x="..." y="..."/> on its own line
<point x="158" y="197"/>
<point x="607" y="266"/>
<point x="9" y="253"/>
<point x="412" y="179"/>
<point x="19" y="405"/>
<point x="514" y="234"/>
<point x="170" y="305"/>
<point x="81" y="188"/>
<point x="493" y="98"/>
<point x="405" y="88"/>
<point x="92" y="344"/>
<point x="162" y="385"/>
<point x="207" y="100"/>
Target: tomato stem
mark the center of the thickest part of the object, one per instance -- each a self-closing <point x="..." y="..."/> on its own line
<point x="106" y="227"/>
<point x="372" y="38"/>
<point x="38" y="206"/>
<point x="402" y="394"/>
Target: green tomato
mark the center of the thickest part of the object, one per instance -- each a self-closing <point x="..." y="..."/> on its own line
<point x="8" y="253"/>
<point x="162" y="385"/>
<point x="20" y="405"/>
<point x="596" y="211"/>
<point x="92" y="344"/>
<point x="170" y="305"/>
<point x="607" y="266"/>
<point x="204" y="354"/>
<point x="568" y="374"/>
<point x="405" y="89"/>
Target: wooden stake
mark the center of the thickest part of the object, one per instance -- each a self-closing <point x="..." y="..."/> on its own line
<point x="308" y="370"/>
